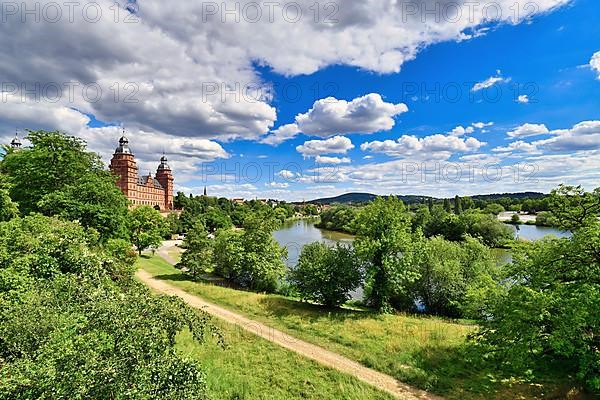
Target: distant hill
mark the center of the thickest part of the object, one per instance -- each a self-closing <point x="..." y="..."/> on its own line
<point x="496" y="196"/>
<point x="355" y="198"/>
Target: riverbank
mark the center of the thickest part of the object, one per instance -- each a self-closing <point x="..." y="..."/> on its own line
<point x="430" y="353"/>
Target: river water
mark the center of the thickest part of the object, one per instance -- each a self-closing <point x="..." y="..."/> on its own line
<point x="296" y="234"/>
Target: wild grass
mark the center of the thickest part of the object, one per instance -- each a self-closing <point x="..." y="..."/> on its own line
<point x="430" y="353"/>
<point x="252" y="368"/>
<point x="175" y="253"/>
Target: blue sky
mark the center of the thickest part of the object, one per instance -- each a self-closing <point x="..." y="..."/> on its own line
<point x="378" y="113"/>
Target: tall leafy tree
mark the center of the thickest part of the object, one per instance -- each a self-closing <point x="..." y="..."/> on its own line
<point x="251" y="258"/>
<point x="228" y="254"/>
<point x="447" y="206"/>
<point x="458" y="208"/>
<point x="263" y="258"/>
<point x="430" y="204"/>
<point x="447" y="272"/>
<point x="197" y="257"/>
<point x="383" y="239"/>
<point x="74" y="323"/>
<point x="95" y="201"/>
<point x="147" y="227"/>
<point x="53" y="161"/>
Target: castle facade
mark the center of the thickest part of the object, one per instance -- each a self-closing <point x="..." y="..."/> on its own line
<point x="147" y="190"/>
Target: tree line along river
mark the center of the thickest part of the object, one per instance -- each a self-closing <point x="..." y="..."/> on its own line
<point x="296" y="234"/>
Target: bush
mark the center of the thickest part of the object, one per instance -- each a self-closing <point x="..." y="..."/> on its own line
<point x="251" y="258"/>
<point x="326" y="275"/>
<point x="447" y="272"/>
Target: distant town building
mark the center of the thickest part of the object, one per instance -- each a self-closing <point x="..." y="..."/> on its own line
<point x="142" y="190"/>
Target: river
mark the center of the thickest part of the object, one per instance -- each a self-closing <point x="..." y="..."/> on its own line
<point x="295" y="234"/>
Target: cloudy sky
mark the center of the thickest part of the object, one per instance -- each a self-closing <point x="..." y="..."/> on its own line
<point x="302" y="99"/>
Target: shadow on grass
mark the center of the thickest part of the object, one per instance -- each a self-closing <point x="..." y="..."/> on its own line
<point x="282" y="306"/>
<point x="464" y="371"/>
<point x="175" y="278"/>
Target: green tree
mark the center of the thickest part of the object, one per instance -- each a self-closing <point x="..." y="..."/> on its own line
<point x="515" y="219"/>
<point x="263" y="266"/>
<point x="228" y="254"/>
<point x="8" y="208"/>
<point x="147" y="227"/>
<point x="447" y="207"/>
<point x="545" y="218"/>
<point x="52" y="162"/>
<point x="251" y="258"/>
<point x="458" y="209"/>
<point x="174" y="224"/>
<point x="74" y="323"/>
<point x="487" y="228"/>
<point x="197" y="257"/>
<point x="326" y="275"/>
<point x="93" y="339"/>
<point x="94" y="200"/>
<point x="493" y="208"/>
<point x="448" y="271"/>
<point x="281" y="214"/>
<point x="572" y="207"/>
<point x="215" y="218"/>
<point x="549" y="308"/>
<point x="383" y="238"/>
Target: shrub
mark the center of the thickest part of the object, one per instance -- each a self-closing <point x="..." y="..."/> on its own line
<point x="326" y="275"/>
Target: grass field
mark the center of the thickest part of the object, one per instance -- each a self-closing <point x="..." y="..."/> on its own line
<point x="252" y="368"/>
<point x="429" y="353"/>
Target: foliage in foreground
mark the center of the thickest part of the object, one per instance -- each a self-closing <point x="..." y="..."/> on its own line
<point x="74" y="323"/>
<point x="550" y="307"/>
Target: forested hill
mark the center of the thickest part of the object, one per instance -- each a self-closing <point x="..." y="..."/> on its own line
<point x="363" y="198"/>
<point x="348" y="198"/>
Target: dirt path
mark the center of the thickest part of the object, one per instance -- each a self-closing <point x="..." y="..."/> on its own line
<point x="379" y="380"/>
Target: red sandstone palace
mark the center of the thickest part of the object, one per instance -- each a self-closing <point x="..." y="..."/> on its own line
<point x="156" y="192"/>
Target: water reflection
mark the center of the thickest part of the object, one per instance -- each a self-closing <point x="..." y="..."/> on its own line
<point x="296" y="234"/>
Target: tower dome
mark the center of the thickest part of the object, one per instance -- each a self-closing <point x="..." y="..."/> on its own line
<point x="123" y="145"/>
<point x="16" y="142"/>
<point x="163" y="166"/>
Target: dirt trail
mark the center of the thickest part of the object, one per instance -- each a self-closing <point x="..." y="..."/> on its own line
<point x="379" y="380"/>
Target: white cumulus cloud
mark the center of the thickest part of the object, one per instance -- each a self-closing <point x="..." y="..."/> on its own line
<point x="595" y="63"/>
<point x="440" y="147"/>
<point x="527" y="130"/>
<point x="334" y="145"/>
<point x="332" y="160"/>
